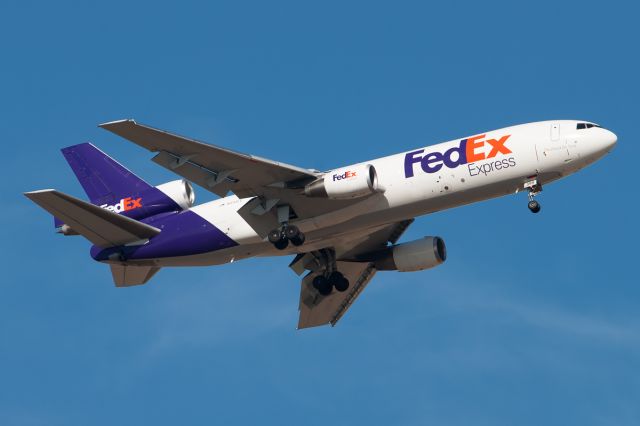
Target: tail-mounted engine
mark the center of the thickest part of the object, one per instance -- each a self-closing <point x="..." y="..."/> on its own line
<point x="180" y="191"/>
<point x="349" y="182"/>
<point x="172" y="196"/>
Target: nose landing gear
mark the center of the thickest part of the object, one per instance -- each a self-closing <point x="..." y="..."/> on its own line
<point x="534" y="188"/>
<point x="534" y="206"/>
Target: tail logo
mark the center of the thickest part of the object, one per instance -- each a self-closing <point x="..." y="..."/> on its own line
<point x="124" y="205"/>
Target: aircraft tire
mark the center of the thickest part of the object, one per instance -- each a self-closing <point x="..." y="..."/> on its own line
<point x="281" y="244"/>
<point x="274" y="236"/>
<point x="323" y="285"/>
<point x="299" y="240"/>
<point x="342" y="284"/>
<point x="534" y="206"/>
<point x="291" y="231"/>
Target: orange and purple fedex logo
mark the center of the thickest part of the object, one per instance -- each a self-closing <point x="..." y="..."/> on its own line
<point x="346" y="175"/>
<point x="469" y="151"/>
<point x="124" y="205"/>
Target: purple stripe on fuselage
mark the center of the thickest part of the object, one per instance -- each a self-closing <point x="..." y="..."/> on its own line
<point x="182" y="234"/>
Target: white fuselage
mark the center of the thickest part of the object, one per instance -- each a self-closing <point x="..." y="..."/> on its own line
<point x="422" y="181"/>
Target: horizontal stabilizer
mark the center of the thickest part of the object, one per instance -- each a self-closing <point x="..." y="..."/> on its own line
<point x="102" y="227"/>
<point x="128" y="275"/>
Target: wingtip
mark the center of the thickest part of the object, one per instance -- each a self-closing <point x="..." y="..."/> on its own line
<point x="37" y="191"/>
<point x="34" y="194"/>
<point x="116" y="122"/>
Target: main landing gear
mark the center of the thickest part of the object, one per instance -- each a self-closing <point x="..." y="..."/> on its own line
<point x="280" y="237"/>
<point x="534" y="188"/>
<point x="325" y="284"/>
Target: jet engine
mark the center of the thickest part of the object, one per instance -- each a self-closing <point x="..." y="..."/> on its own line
<point x="179" y="191"/>
<point x="347" y="182"/>
<point x="417" y="255"/>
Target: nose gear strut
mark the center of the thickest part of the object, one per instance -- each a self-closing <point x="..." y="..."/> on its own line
<point x="534" y="188"/>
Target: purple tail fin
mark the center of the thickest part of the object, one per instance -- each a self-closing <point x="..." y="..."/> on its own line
<point x="104" y="179"/>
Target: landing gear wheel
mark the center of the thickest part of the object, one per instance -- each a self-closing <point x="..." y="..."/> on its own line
<point x="281" y="244"/>
<point x="338" y="280"/>
<point x="291" y="231"/>
<point x="534" y="206"/>
<point x="299" y="240"/>
<point x="342" y="284"/>
<point x="274" y="236"/>
<point x="334" y="277"/>
<point x="322" y="284"/>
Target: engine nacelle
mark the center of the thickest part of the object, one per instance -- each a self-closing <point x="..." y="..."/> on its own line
<point x="180" y="191"/>
<point x="417" y="255"/>
<point x="347" y="182"/>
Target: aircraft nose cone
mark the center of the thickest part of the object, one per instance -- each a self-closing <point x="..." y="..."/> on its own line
<point x="609" y="140"/>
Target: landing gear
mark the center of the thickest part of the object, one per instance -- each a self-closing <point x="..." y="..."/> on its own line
<point x="322" y="284"/>
<point x="339" y="281"/>
<point x="280" y="237"/>
<point x="534" y="188"/>
<point x="325" y="284"/>
<point x="534" y="206"/>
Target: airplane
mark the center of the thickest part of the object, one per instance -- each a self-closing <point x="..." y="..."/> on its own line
<point x="341" y="226"/>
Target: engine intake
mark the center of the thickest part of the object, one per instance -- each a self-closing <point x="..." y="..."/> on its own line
<point x="417" y="255"/>
<point x="349" y="182"/>
<point x="180" y="191"/>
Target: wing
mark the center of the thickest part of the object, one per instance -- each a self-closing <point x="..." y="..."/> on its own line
<point x="217" y="169"/>
<point x="221" y="170"/>
<point x="316" y="309"/>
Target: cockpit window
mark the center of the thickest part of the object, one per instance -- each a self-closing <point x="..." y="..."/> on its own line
<point x="581" y="126"/>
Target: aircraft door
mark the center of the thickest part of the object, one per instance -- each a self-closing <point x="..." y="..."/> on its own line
<point x="553" y="151"/>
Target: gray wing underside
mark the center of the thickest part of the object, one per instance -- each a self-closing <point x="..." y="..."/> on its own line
<point x="315" y="309"/>
<point x="130" y="275"/>
<point x="222" y="170"/>
<point x="218" y="169"/>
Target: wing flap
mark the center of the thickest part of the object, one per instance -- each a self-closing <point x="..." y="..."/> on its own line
<point x="130" y="275"/>
<point x="102" y="227"/>
<point x="244" y="174"/>
<point x="316" y="310"/>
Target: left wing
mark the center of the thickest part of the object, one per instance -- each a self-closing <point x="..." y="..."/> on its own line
<point x="316" y="309"/>
<point x="221" y="170"/>
<point x="217" y="169"/>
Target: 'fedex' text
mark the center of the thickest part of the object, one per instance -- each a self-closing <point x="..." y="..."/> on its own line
<point x="469" y="151"/>
<point x="345" y="175"/>
<point x="124" y="205"/>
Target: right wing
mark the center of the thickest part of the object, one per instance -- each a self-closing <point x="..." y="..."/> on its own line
<point x="102" y="227"/>
<point x="316" y="309"/>
<point x="129" y="275"/>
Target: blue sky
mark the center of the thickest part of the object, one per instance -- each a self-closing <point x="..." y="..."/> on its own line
<point x="532" y="320"/>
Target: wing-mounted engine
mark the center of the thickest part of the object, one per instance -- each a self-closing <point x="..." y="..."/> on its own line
<point x="417" y="255"/>
<point x="348" y="182"/>
<point x="180" y="191"/>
